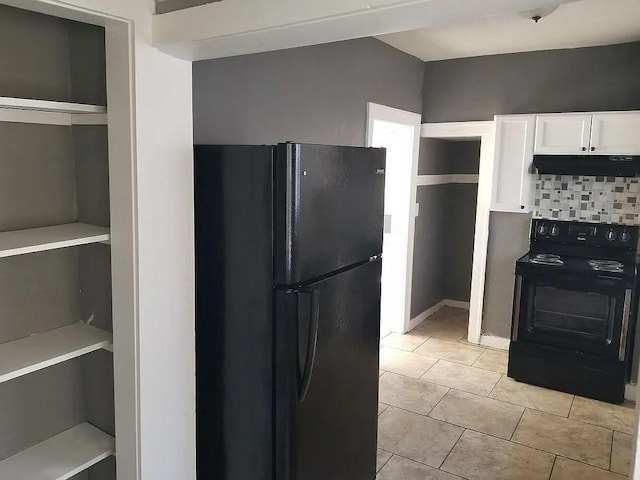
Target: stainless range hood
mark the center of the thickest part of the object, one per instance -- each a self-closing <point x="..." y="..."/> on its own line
<point x="600" y="165"/>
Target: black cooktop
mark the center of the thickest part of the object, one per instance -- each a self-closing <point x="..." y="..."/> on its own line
<point x="577" y="266"/>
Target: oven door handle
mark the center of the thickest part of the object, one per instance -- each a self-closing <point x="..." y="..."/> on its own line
<point x="626" y="313"/>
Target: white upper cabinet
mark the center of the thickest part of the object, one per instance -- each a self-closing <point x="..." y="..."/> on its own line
<point x="513" y="180"/>
<point x="562" y="134"/>
<point x="615" y="133"/>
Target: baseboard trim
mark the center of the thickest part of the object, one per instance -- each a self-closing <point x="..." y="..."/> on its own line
<point x="495" y="342"/>
<point x="414" y="322"/>
<point x="457" y="304"/>
<point x="630" y="390"/>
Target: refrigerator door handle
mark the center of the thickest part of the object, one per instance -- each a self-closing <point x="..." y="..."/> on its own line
<point x="304" y="380"/>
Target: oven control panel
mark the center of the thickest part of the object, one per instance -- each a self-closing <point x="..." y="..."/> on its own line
<point x="580" y="233"/>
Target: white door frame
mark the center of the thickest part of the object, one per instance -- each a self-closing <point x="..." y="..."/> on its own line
<point x="485" y="132"/>
<point x="394" y="115"/>
<point x="119" y="41"/>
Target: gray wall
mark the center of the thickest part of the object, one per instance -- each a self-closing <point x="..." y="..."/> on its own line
<point x="428" y="284"/>
<point x="438" y="157"/>
<point x="460" y="229"/>
<point x="444" y="233"/>
<point x="586" y="79"/>
<point x="51" y="175"/>
<point x="508" y="241"/>
<point x="314" y="94"/>
<point x="582" y="79"/>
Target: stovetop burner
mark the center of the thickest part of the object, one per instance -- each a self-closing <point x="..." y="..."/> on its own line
<point x="606" y="265"/>
<point x="547" y="259"/>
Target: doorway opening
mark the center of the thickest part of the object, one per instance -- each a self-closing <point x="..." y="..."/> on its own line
<point x="444" y="234"/>
<point x="399" y="132"/>
<point x="484" y="133"/>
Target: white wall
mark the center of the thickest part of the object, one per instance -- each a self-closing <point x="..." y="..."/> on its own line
<point x="154" y="343"/>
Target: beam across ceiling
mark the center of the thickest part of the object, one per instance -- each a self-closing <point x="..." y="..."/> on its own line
<point x="238" y="27"/>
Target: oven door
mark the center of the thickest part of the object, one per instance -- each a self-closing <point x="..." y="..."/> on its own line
<point x="587" y="314"/>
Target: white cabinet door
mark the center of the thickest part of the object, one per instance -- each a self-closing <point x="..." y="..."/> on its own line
<point x="513" y="180"/>
<point x="562" y="134"/>
<point x="615" y="133"/>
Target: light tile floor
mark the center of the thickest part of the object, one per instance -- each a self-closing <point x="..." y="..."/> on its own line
<point x="448" y="411"/>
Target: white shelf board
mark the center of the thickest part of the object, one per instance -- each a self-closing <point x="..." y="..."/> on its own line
<point x="49" y="106"/>
<point x="60" y="457"/>
<point x="43" y="350"/>
<point x="20" y="242"/>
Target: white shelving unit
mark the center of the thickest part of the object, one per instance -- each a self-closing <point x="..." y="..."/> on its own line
<point x="26" y="110"/>
<point x="49" y="106"/>
<point x="32" y="240"/>
<point x="75" y="450"/>
<point x="43" y="350"/>
<point x="60" y="457"/>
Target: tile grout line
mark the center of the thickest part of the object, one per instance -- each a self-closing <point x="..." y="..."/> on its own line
<point x="611" y="451"/>
<point x="517" y="424"/>
<point x="584" y="463"/>
<point x="452" y="448"/>
<point x="421" y="463"/>
<point x="577" y="420"/>
<point x="430" y="366"/>
<point x="495" y="385"/>
<point x="573" y="399"/>
<point x="420" y="379"/>
<point x="421" y="343"/>
<point x="553" y="465"/>
<point x="557" y="455"/>
<point x="465" y="428"/>
<point x="425" y="372"/>
<point x="438" y="403"/>
<point x="388" y="459"/>
<point x="433" y="382"/>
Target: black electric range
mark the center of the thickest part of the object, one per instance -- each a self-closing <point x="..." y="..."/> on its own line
<point x="575" y="308"/>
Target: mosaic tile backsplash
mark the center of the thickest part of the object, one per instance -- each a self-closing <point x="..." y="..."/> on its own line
<point x="588" y="199"/>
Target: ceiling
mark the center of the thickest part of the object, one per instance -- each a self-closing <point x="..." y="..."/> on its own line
<point x="582" y="23"/>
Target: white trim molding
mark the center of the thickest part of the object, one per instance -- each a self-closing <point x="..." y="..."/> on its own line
<point x="417" y="320"/>
<point x="495" y="342"/>
<point x="460" y="130"/>
<point x="457" y="304"/>
<point x="446" y="179"/>
<point x="394" y="115"/>
<point x="485" y="131"/>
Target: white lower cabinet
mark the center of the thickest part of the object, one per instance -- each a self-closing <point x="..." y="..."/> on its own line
<point x="513" y="179"/>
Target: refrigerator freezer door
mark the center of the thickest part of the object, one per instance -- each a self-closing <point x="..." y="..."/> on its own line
<point x="329" y="209"/>
<point x="327" y="344"/>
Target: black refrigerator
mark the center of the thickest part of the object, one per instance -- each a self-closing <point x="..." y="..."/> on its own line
<point x="288" y="266"/>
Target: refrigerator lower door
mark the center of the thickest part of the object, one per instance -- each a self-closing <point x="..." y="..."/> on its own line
<point x="329" y="210"/>
<point x="327" y="354"/>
